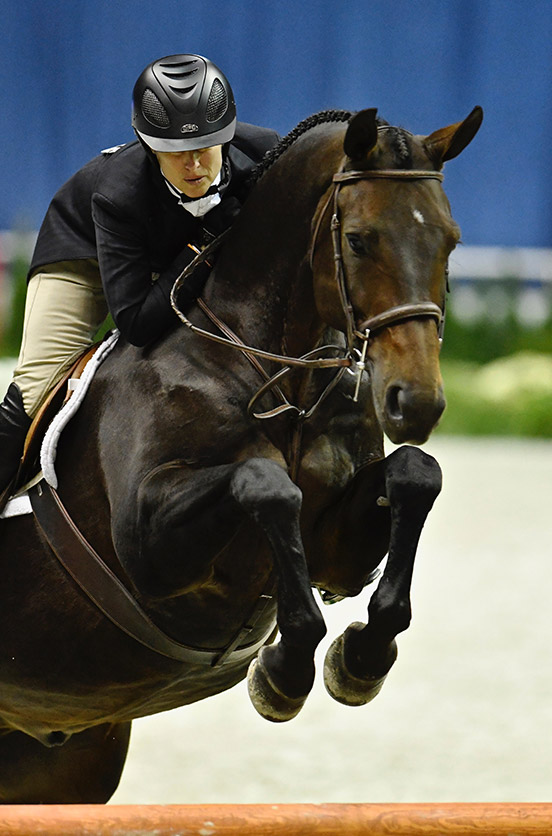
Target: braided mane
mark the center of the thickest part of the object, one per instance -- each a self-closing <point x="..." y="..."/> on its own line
<point x="310" y="122"/>
<point x="401" y="145"/>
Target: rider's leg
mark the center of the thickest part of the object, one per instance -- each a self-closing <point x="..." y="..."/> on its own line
<point x="65" y="306"/>
<point x="14" y="424"/>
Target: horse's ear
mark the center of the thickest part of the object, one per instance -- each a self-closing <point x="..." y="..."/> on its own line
<point x="362" y="134"/>
<point x="446" y="143"/>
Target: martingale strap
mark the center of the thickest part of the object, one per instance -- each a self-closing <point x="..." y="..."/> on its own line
<point x="230" y="340"/>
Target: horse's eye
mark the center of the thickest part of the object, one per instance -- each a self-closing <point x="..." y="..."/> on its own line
<point x="356" y="243"/>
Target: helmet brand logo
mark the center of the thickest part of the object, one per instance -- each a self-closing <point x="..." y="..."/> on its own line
<point x="189" y="128"/>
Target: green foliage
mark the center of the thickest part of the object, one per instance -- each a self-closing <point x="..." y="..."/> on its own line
<point x="13" y="326"/>
<point x="483" y="341"/>
<point x="498" y="370"/>
<point x="509" y="396"/>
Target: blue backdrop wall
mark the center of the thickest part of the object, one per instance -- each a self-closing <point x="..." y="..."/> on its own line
<point x="68" y="68"/>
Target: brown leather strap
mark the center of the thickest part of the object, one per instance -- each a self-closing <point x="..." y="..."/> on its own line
<point x="107" y="592"/>
<point x="399" y="313"/>
<point x="54" y="399"/>
<point x="388" y="174"/>
<point x="230" y="339"/>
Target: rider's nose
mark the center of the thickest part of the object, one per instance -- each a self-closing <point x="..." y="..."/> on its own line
<point x="190" y="160"/>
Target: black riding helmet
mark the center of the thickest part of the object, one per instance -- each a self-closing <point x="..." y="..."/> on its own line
<point x="182" y="103"/>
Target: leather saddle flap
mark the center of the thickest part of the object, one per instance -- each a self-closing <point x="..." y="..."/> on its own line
<point x="48" y="410"/>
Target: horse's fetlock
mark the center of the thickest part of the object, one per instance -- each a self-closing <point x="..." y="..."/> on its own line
<point x="317" y="631"/>
<point x="390" y="614"/>
<point x="306" y="634"/>
<point x="367" y="654"/>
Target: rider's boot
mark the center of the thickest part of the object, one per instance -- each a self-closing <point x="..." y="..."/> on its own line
<point x="14" y="424"/>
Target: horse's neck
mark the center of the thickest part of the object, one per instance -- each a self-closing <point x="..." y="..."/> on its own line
<point x="263" y="283"/>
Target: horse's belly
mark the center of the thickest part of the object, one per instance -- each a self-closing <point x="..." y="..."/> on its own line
<point x="39" y="712"/>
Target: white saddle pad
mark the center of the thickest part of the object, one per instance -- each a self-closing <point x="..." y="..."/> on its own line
<point x="21" y="504"/>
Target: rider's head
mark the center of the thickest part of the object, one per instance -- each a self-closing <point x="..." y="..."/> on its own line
<point x="184" y="111"/>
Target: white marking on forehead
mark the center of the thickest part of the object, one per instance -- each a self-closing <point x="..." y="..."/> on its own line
<point x="417" y="215"/>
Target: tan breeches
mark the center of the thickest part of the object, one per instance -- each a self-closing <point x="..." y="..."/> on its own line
<point x="65" y="306"/>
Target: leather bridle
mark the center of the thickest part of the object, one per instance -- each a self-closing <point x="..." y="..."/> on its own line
<point x="392" y="315"/>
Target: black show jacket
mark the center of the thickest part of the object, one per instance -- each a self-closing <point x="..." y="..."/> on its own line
<point x="118" y="209"/>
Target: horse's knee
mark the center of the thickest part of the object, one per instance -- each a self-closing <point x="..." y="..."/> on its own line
<point x="412" y="476"/>
<point x="258" y="483"/>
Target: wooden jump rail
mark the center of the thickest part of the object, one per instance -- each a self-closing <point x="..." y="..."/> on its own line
<point x="278" y="820"/>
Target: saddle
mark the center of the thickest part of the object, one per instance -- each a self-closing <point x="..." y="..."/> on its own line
<point x="56" y="398"/>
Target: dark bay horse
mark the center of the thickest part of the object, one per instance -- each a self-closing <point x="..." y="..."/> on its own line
<point x="220" y="494"/>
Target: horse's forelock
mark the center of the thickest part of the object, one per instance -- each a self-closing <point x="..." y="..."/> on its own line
<point x="400" y="145"/>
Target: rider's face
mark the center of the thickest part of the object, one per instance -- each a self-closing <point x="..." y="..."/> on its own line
<point x="192" y="172"/>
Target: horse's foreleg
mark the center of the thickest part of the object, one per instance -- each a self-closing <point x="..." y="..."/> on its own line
<point x="182" y="521"/>
<point x="84" y="770"/>
<point x="359" y="660"/>
<point x="184" y="524"/>
<point x="282" y="676"/>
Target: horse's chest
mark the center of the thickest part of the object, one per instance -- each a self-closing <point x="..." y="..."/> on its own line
<point x="329" y="463"/>
<point x="324" y="471"/>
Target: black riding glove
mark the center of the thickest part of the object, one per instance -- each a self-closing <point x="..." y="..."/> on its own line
<point x="194" y="283"/>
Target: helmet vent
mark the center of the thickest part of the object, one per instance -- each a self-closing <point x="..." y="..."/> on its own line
<point x="179" y="75"/>
<point x="183" y="92"/>
<point x="153" y="110"/>
<point x="179" y="69"/>
<point x="217" y="104"/>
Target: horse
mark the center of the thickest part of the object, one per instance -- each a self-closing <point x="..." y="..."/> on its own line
<point x="227" y="471"/>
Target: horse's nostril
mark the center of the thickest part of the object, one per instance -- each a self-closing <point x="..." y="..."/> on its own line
<point x="394" y="399"/>
<point x="408" y="409"/>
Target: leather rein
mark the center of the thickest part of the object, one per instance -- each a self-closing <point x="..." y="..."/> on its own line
<point x="355" y="364"/>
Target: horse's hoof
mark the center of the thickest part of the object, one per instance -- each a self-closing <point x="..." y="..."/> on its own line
<point x="344" y="686"/>
<point x="267" y="699"/>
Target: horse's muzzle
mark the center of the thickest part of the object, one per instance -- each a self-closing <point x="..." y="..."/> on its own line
<point x="411" y="413"/>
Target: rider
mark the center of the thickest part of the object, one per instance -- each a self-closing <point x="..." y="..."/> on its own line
<point x="116" y="235"/>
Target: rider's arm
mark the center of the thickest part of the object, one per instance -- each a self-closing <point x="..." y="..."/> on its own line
<point x="139" y="305"/>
